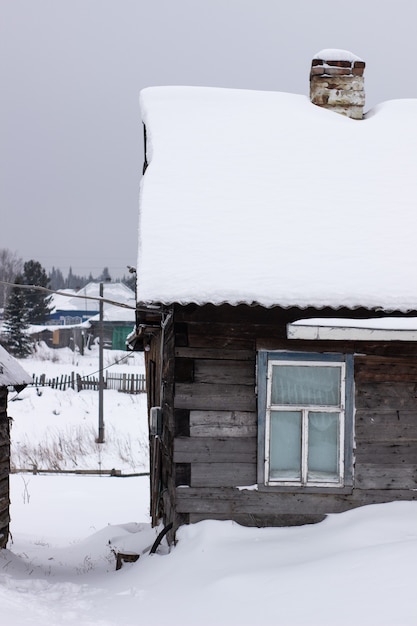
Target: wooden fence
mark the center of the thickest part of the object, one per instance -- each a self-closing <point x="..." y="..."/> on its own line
<point x="126" y="383"/>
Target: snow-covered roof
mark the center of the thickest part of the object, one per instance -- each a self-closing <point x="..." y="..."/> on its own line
<point x="263" y="197"/>
<point x="11" y="372"/>
<point x="60" y="301"/>
<point x="116" y="314"/>
<point x="79" y="300"/>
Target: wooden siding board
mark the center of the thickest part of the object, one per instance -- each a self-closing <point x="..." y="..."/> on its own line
<point x="371" y="476"/>
<point x="229" y="501"/>
<point x="215" y="450"/>
<point x="215" y="341"/>
<point x="386" y="369"/>
<point x="387" y="416"/>
<point x="215" y="353"/>
<point x="385" y="426"/>
<point x="224" y="372"/>
<point x="260" y="521"/>
<point x="223" y="424"/>
<point x="401" y="396"/>
<point x="222" y="474"/>
<point x="383" y="454"/>
<point x="200" y="396"/>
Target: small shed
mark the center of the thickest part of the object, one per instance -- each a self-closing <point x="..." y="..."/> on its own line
<point x="11" y="375"/>
<point x="277" y="299"/>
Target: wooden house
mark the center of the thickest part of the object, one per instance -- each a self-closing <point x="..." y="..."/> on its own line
<point x="118" y="323"/>
<point x="75" y="319"/>
<point x="277" y="299"/>
<point x="11" y="375"/>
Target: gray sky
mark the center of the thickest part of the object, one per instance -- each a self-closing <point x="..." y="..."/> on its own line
<point x="71" y="71"/>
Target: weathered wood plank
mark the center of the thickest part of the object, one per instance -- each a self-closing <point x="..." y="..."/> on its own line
<point x="370" y="476"/>
<point x="224" y="372"/>
<point x="386" y="369"/>
<point x="390" y="349"/>
<point x="215" y="450"/>
<point x="396" y="396"/>
<point x="260" y="521"/>
<point x="222" y="474"/>
<point x="211" y="340"/>
<point x="199" y="396"/>
<point x="385" y="416"/>
<point x="385" y="454"/>
<point x="401" y="357"/>
<point x="215" y="353"/>
<point x="389" y="426"/>
<point x="399" y="376"/>
<point x="223" y="424"/>
<point x="228" y="501"/>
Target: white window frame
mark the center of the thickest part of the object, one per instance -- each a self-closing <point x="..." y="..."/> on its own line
<point x="266" y="361"/>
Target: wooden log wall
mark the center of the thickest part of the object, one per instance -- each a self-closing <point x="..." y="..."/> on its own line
<point x="386" y="423"/>
<point x="209" y="457"/>
<point x="4" y="469"/>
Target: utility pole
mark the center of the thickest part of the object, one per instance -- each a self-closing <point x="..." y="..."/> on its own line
<point x="100" y="438"/>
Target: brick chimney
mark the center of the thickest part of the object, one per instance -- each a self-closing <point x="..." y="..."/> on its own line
<point x="336" y="82"/>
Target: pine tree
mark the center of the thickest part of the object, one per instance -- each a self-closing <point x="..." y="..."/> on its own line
<point x="16" y="322"/>
<point x="104" y="276"/>
<point x="37" y="302"/>
<point x="56" y="279"/>
<point x="75" y="282"/>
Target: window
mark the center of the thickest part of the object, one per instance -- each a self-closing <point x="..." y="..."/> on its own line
<point x="305" y="419"/>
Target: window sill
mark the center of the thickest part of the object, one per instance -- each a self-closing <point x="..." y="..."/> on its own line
<point x="345" y="489"/>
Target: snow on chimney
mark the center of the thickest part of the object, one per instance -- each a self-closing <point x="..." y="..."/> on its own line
<point x="336" y="82"/>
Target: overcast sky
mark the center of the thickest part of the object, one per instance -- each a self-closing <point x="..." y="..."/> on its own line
<point x="71" y="72"/>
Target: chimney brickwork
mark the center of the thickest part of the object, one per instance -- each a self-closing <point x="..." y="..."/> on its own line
<point x="337" y="83"/>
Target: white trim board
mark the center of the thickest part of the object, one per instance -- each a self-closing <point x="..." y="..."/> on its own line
<point x="351" y="330"/>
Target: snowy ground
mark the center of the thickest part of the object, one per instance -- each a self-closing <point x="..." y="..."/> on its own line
<point x="53" y="429"/>
<point x="354" y="568"/>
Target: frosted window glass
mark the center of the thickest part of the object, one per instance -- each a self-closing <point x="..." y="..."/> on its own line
<point x="285" y="445"/>
<point x="303" y="384"/>
<point x="323" y="447"/>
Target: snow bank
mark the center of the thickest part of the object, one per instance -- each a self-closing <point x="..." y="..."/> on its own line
<point x="355" y="567"/>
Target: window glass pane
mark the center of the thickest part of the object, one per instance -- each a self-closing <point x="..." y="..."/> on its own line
<point x="306" y="384"/>
<point x="323" y="447"/>
<point x="285" y="445"/>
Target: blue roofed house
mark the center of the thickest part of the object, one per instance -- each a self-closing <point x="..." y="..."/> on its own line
<point x="277" y="299"/>
<point x="74" y="320"/>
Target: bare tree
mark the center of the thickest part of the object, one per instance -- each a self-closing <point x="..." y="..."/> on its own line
<point x="10" y="266"/>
